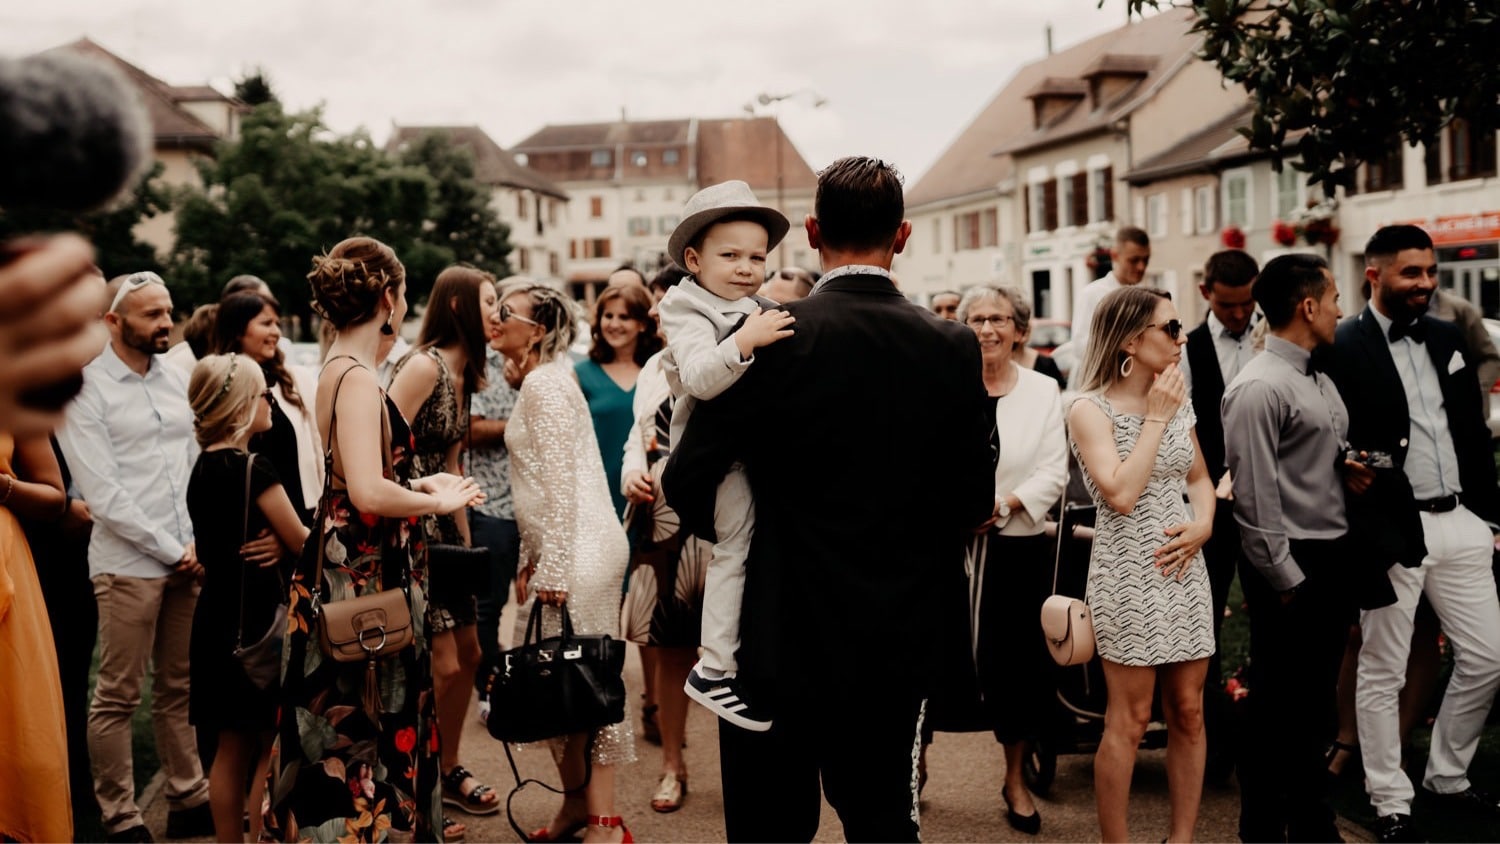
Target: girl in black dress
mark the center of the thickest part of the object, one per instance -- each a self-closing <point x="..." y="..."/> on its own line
<point x="230" y="405"/>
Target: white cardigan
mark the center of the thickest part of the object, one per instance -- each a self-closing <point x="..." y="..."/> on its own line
<point x="305" y="424"/>
<point x="1033" y="451"/>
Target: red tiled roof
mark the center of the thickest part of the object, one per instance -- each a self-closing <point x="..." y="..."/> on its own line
<point x="970" y="165"/>
<point x="583" y="135"/>
<point x="745" y="148"/>
<point x="171" y="124"/>
<point x="492" y="164"/>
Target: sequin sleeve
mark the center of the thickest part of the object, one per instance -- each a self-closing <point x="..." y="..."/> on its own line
<point x="550" y="419"/>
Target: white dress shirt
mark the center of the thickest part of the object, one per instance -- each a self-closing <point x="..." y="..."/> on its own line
<point x="1431" y="462"/>
<point x="1233" y="352"/>
<point x="129" y="443"/>
<point x="1033" y="451"/>
<point x="1083" y="309"/>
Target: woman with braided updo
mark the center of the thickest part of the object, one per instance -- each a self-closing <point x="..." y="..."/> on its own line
<point x="333" y="728"/>
<point x="573" y="549"/>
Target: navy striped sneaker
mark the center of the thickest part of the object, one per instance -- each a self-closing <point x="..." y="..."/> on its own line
<point x="722" y="698"/>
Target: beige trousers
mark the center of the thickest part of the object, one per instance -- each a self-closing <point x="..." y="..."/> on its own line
<point x="143" y="619"/>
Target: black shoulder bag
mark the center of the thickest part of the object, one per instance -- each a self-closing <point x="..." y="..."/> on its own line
<point x="262" y="659"/>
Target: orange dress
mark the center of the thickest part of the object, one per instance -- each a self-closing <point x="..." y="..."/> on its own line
<point x="34" y="798"/>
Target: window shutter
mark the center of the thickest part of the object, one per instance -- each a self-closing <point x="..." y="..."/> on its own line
<point x="1049" y="205"/>
<point x="1026" y="204"/>
<point x="1109" y="194"/>
<point x="1080" y="199"/>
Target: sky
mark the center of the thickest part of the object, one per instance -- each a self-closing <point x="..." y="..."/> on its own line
<point x="898" y="79"/>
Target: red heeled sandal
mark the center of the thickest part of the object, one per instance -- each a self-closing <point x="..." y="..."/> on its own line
<point x="611" y="823"/>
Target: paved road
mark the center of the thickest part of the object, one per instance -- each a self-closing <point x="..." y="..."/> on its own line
<point x="961" y="802"/>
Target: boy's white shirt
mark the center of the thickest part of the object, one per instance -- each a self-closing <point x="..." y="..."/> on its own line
<point x="701" y="359"/>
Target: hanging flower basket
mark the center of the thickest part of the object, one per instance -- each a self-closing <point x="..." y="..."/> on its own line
<point x="1284" y="233"/>
<point x="1233" y="237"/>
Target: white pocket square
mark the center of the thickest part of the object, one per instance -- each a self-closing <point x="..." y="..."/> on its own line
<point x="1456" y="362"/>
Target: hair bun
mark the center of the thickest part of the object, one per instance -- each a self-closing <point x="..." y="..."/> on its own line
<point x="347" y="281"/>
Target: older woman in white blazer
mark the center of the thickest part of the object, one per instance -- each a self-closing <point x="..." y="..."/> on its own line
<point x="1011" y="556"/>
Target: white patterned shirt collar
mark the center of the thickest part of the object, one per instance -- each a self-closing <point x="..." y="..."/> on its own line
<point x="850" y="269"/>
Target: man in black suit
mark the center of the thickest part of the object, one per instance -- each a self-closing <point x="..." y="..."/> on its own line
<point x="855" y="523"/>
<point x="1216" y="351"/>
<point x="1410" y="385"/>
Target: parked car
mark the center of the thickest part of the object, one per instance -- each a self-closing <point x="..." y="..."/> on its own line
<point x="1048" y="334"/>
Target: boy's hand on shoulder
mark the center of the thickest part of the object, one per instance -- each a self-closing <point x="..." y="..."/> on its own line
<point x="761" y="329"/>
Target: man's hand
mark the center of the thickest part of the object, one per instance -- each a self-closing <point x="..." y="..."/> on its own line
<point x="762" y="328"/>
<point x="264" y="550"/>
<point x="77" y="518"/>
<point x="1358" y="476"/>
<point x="638" y="488"/>
<point x="189" y="563"/>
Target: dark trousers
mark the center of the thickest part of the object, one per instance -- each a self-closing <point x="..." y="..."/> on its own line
<point x="504" y="542"/>
<point x="1295" y="651"/>
<point x="860" y="742"/>
<point x="1221" y="555"/>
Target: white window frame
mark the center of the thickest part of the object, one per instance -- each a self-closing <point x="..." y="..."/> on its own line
<point x="1065" y="200"/>
<point x="1241" y="175"/>
<point x="1156" y="215"/>
<point x="1205" y="217"/>
<point x="1098" y="189"/>
<point x="1185" y="210"/>
<point x="1280" y="192"/>
<point x="1036" y="210"/>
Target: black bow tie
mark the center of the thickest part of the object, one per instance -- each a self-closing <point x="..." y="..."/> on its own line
<point x="1417" y="331"/>
<point x="1312" y="367"/>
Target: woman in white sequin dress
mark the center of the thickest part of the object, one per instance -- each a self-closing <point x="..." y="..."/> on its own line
<point x="573" y="549"/>
<point x="1147" y="587"/>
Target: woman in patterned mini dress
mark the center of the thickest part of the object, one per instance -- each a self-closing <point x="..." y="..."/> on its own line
<point x="1132" y="432"/>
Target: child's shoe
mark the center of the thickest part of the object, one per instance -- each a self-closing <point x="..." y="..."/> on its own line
<point x="722" y="698"/>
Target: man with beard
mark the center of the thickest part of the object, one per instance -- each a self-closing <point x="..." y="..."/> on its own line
<point x="129" y="443"/>
<point x="1418" y="518"/>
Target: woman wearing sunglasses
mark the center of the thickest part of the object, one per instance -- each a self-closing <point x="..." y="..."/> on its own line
<point x="1132" y="432"/>
<point x="573" y="548"/>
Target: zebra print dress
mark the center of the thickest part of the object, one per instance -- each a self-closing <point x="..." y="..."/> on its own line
<point x="1141" y="617"/>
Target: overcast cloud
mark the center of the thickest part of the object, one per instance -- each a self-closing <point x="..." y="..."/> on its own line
<point x="901" y="78"/>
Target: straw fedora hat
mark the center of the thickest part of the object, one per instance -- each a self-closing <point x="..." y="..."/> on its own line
<point x="714" y="203"/>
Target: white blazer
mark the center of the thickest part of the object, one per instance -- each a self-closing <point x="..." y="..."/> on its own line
<point x="1033" y="451"/>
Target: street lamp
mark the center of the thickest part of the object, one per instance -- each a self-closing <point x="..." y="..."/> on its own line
<point x="769" y="101"/>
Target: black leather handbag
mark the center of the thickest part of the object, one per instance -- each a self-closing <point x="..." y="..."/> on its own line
<point x="557" y="686"/>
<point x="456" y="573"/>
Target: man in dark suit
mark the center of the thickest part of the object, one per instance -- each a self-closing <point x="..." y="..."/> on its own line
<point x="855" y="523"/>
<point x="1419" y="516"/>
<point x="1216" y="351"/>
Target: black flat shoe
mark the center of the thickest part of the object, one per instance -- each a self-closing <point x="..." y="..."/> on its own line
<point x="1030" y="824"/>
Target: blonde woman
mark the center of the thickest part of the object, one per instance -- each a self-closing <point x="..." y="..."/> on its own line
<point x="573" y="548"/>
<point x="1132" y="432"/>
<point x="230" y="405"/>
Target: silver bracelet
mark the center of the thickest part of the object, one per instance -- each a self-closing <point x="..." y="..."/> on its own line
<point x="10" y="486"/>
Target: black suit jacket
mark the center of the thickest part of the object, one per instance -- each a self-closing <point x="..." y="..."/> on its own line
<point x="1208" y="394"/>
<point x="1384" y="522"/>
<point x="866" y="444"/>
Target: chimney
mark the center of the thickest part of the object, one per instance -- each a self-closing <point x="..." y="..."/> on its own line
<point x="1048" y="31"/>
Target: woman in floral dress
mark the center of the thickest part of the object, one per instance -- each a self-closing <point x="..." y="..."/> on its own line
<point x="342" y="771"/>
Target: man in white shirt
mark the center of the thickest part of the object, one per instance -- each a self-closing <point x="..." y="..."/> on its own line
<point x="1128" y="259"/>
<point x="129" y="442"/>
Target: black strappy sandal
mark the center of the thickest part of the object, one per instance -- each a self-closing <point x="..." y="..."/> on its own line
<point x="473" y="802"/>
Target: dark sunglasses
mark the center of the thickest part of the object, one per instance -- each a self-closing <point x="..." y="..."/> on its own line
<point x="1173" y="327"/>
<point x="506" y="315"/>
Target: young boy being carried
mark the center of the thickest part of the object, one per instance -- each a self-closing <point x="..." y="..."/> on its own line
<point x="722" y="240"/>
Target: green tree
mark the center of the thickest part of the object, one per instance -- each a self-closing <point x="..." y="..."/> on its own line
<point x="1343" y="81"/>
<point x="289" y="189"/>
<point x="112" y="230"/>
<point x="254" y="88"/>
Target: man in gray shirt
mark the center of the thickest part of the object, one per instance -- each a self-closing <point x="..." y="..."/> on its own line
<point x="1285" y="430"/>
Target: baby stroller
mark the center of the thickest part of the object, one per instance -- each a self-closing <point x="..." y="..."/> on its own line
<point x="1075" y="721"/>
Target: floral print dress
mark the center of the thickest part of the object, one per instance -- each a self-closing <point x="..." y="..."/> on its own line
<point x="335" y="774"/>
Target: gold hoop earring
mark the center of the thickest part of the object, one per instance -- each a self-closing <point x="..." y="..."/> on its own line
<point x="1127" y="366"/>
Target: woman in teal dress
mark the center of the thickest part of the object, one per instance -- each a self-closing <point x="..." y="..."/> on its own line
<point x="624" y="337"/>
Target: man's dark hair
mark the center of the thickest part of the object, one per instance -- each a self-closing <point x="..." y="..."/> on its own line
<point x="667" y="277"/>
<point x="1285" y="281"/>
<point x="1231" y="268"/>
<point x="1131" y="234"/>
<point x="1389" y="240"/>
<point x="859" y="204"/>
